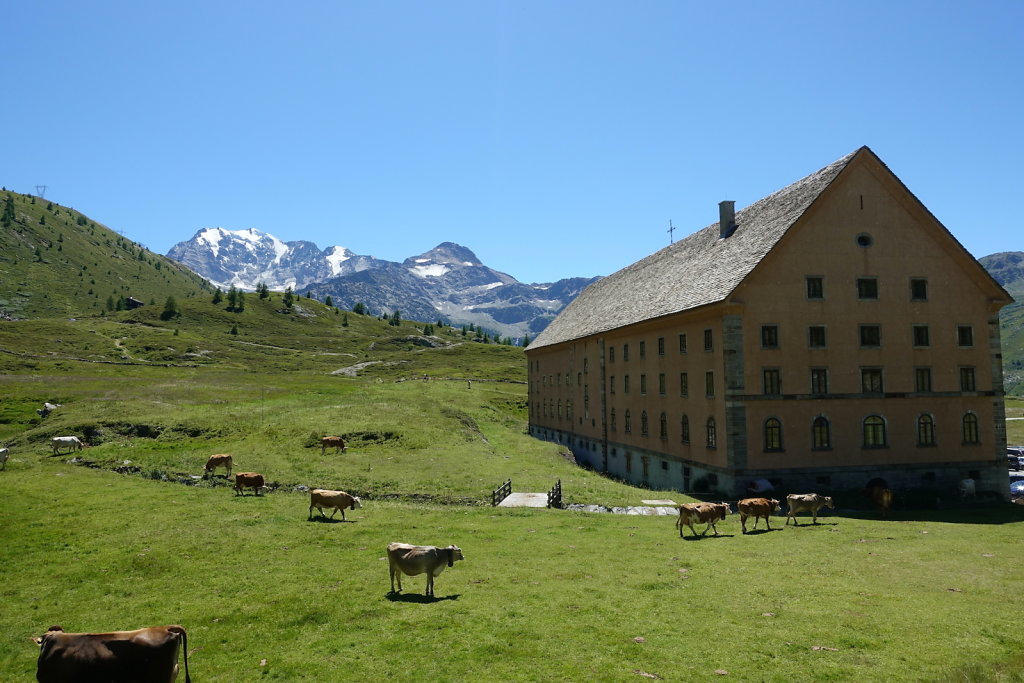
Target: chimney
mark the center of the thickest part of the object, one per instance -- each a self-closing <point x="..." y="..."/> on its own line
<point x="726" y="218"/>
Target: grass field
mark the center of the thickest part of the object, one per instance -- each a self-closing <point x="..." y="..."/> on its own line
<point x="543" y="595"/>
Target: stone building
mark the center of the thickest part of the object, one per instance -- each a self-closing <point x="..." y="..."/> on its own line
<point x="829" y="333"/>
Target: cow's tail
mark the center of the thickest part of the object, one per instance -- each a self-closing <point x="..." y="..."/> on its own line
<point x="184" y="648"/>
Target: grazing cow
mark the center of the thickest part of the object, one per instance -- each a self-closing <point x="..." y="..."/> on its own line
<point x="806" y="502"/>
<point x="253" y="480"/>
<point x="967" y="488"/>
<point x="757" y="508"/>
<point x="335" y="442"/>
<point x="419" y="559"/>
<point x="47" y="409"/>
<point x="219" y="460"/>
<point x="147" y="654"/>
<point x="4" y="454"/>
<point x="72" y="442"/>
<point x="881" y="496"/>
<point x="702" y="513"/>
<point x="339" y="500"/>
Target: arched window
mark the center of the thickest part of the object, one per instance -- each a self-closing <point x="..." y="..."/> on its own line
<point x="821" y="434"/>
<point x="568" y="409"/>
<point x="925" y="430"/>
<point x="971" y="428"/>
<point x="874" y="431"/>
<point x="663" y="426"/>
<point x="613" y="420"/>
<point x="684" y="428"/>
<point x="643" y="424"/>
<point x="559" y="409"/>
<point x="712" y="437"/>
<point x="629" y="423"/>
<point x="773" y="434"/>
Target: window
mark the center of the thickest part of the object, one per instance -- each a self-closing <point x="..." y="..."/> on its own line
<point x="611" y="384"/>
<point x="611" y="354"/>
<point x="871" y="380"/>
<point x="567" y="377"/>
<point x="870" y="336"/>
<point x="967" y="379"/>
<point x="922" y="380"/>
<point x="769" y="336"/>
<point x="918" y="289"/>
<point x="625" y="353"/>
<point x="629" y="423"/>
<point x="874" y="432"/>
<point x="644" y="431"/>
<point x="709" y="383"/>
<point x="568" y="409"/>
<point x="682" y="343"/>
<point x="816" y="336"/>
<point x="925" y="430"/>
<point x="819" y="380"/>
<point x="712" y="437"/>
<point x="579" y="379"/>
<point x="772" y="434"/>
<point x="663" y="426"/>
<point x="643" y="385"/>
<point x="921" y="335"/>
<point x="559" y="409"/>
<point x="867" y="288"/>
<point x="643" y="350"/>
<point x="965" y="335"/>
<point x="684" y="384"/>
<point x="708" y="342"/>
<point x="629" y="462"/>
<point x="684" y="429"/>
<point x="815" y="287"/>
<point x="625" y="384"/>
<point x="586" y="365"/>
<point x="661" y="383"/>
<point x="645" y="463"/>
<point x="614" y="420"/>
<point x="772" y="381"/>
<point x="821" y="434"/>
<point x="970" y="424"/>
<point x="661" y="346"/>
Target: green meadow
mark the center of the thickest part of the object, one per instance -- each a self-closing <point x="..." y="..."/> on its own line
<point x="111" y="537"/>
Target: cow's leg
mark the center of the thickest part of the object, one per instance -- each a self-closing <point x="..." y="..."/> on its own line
<point x="343" y="514"/>
<point x="391" y="572"/>
<point x="743" y="522"/>
<point x="310" y="516"/>
<point x="430" y="584"/>
<point x="768" y="521"/>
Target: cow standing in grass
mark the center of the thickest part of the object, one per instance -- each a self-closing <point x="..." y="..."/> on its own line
<point x="59" y="442"/>
<point x="806" y="502"/>
<point x="146" y="654"/>
<point x="338" y="500"/>
<point x="252" y="480"/>
<point x="413" y="560"/>
<point x="757" y="508"/>
<point x="702" y="513"/>
<point x="335" y="442"/>
<point x="219" y="460"/>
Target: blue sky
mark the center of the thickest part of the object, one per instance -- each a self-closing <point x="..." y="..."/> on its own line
<point x="554" y="139"/>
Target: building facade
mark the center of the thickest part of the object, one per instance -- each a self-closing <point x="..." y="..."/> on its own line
<point x="825" y="335"/>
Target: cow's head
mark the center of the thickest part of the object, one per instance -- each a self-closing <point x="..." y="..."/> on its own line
<point x="726" y="508"/>
<point x="454" y="553"/>
<point x="53" y="629"/>
<point x="356" y="503"/>
<point x="775" y="505"/>
<point x="827" y="502"/>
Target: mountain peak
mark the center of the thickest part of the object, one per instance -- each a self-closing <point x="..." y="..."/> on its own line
<point x="447" y="253"/>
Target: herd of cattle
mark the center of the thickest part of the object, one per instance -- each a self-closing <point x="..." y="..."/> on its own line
<point x="151" y="654"/>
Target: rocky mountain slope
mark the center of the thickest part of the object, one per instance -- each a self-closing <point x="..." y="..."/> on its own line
<point x="1008" y="270"/>
<point x="448" y="282"/>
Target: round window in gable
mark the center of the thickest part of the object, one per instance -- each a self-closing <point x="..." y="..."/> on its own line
<point x="864" y="240"/>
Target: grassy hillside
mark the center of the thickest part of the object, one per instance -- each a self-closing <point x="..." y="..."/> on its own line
<point x="54" y="261"/>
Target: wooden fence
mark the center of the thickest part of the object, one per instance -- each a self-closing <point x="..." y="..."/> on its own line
<point x="501" y="493"/>
<point x="555" y="495"/>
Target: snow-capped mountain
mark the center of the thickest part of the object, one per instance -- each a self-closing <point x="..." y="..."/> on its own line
<point x="447" y="282"/>
<point x="245" y="258"/>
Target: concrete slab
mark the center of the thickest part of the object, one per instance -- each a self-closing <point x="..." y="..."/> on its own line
<point x="658" y="502"/>
<point x="525" y="500"/>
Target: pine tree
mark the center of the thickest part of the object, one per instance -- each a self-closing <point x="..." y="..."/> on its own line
<point x="234" y="329"/>
<point x="396" y="319"/>
<point x="232" y="298"/>
<point x="344" y="320"/>
<point x="240" y="302"/>
<point x="8" y="216"/>
<point x="289" y="298"/>
<point x="359" y="308"/>
<point x="218" y="296"/>
<point x="329" y="301"/>
<point x="170" y="309"/>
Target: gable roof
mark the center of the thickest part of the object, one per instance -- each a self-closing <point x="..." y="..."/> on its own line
<point x="698" y="270"/>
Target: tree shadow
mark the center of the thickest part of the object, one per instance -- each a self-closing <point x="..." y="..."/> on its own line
<point x="419" y="599"/>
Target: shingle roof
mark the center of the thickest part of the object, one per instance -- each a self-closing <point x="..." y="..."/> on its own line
<point x="698" y="270"/>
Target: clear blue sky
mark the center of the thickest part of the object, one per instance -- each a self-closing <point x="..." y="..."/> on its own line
<point x="554" y="139"/>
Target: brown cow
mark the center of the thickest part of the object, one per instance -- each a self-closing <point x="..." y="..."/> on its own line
<point x="219" y="460"/>
<point x="339" y="500"/>
<point x="757" y="508"/>
<point x="881" y="497"/>
<point x="335" y="442"/>
<point x="147" y="654"/>
<point x="419" y="559"/>
<point x="703" y="513"/>
<point x="806" y="502"/>
<point x="253" y="480"/>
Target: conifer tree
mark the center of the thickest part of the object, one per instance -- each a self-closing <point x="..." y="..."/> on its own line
<point x="218" y="296"/>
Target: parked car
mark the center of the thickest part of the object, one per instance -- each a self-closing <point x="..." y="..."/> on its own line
<point x="1017" y="489"/>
